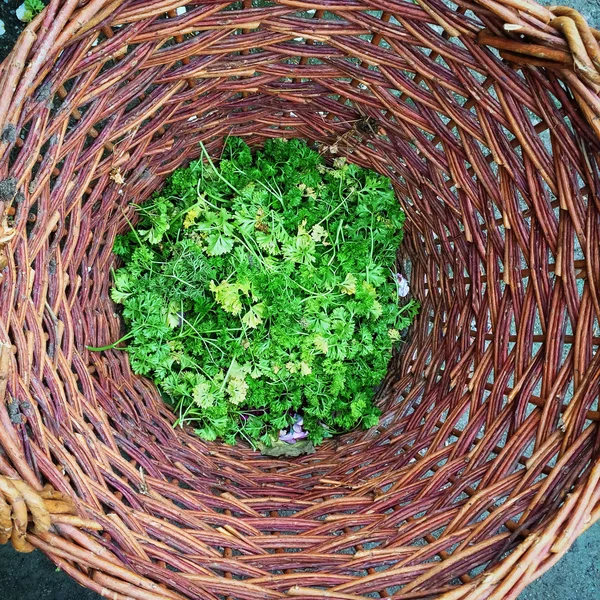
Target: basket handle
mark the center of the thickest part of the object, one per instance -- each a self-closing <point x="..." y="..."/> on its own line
<point x="27" y="508"/>
<point x="557" y="38"/>
<point x="24" y="511"/>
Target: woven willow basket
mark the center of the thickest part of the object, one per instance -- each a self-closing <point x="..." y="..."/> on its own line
<point x="485" y="466"/>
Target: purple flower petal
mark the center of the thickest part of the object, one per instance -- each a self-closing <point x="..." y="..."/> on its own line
<point x="284" y="436"/>
<point x="402" y="284"/>
<point x="295" y="433"/>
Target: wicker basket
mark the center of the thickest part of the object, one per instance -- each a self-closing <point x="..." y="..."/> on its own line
<point x="485" y="466"/>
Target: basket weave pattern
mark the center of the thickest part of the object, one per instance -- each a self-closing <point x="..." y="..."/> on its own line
<point x="485" y="466"/>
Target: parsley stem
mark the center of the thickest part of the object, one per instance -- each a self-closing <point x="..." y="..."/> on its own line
<point x="113" y="345"/>
<point x="279" y="196"/>
<point x="216" y="172"/>
<point x="342" y="203"/>
<point x="232" y="363"/>
<point x="135" y="233"/>
<point x="334" y="246"/>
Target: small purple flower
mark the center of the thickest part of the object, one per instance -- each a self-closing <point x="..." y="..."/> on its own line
<point x="284" y="436"/>
<point x="295" y="434"/>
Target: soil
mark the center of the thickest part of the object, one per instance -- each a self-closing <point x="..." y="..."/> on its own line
<point x="12" y="25"/>
<point x="34" y="577"/>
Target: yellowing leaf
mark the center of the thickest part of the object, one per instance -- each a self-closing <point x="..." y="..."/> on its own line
<point x="305" y="368"/>
<point x="239" y="371"/>
<point x="302" y="228"/>
<point x="253" y="318"/>
<point x="394" y="335"/>
<point x="237" y="390"/>
<point x="228" y="295"/>
<point x="369" y="289"/>
<point x="190" y="217"/>
<point x="318" y="233"/>
<point x="321" y="344"/>
<point x="348" y="286"/>
<point x="376" y="310"/>
<point x="202" y="395"/>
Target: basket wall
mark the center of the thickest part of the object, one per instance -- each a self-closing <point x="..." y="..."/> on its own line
<point x="485" y="466"/>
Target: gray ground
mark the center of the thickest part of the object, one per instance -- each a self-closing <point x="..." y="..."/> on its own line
<point x="12" y="25"/>
<point x="34" y="577"/>
<point x="575" y="577"/>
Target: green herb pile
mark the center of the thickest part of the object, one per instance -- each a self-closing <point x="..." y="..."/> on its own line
<point x="262" y="290"/>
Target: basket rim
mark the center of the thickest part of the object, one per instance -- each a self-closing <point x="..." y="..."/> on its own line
<point x="560" y="40"/>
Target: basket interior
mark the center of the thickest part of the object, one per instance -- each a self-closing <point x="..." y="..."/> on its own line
<point x="490" y="412"/>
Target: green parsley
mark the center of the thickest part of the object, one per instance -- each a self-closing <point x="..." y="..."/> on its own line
<point x="32" y="8"/>
<point x="263" y="290"/>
